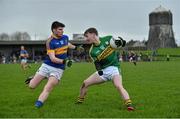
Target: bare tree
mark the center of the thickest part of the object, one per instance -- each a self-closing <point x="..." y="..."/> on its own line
<point x="20" y="36"/>
<point x="26" y="36"/>
<point x="16" y="36"/>
<point x="4" y="37"/>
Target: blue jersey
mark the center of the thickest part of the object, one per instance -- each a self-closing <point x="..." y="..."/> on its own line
<point x="59" y="46"/>
<point x="23" y="54"/>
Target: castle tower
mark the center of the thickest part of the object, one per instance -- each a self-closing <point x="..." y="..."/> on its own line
<point x="161" y="33"/>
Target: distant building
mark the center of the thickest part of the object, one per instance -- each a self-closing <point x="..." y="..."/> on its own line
<point x="161" y="33"/>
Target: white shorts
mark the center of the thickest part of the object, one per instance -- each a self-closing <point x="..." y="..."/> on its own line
<point x="109" y="72"/>
<point x="23" y="60"/>
<point x="47" y="71"/>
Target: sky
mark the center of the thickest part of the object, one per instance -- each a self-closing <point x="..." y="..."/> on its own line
<point x="126" y="18"/>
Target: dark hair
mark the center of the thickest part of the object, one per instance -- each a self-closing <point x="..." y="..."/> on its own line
<point x="56" y="24"/>
<point x="91" y="30"/>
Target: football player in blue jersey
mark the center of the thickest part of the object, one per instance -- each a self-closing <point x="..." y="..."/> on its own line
<point x="24" y="57"/>
<point x="54" y="64"/>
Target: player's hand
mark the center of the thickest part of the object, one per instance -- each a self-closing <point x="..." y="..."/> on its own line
<point x="67" y="62"/>
<point x="120" y="42"/>
<point x="79" y="48"/>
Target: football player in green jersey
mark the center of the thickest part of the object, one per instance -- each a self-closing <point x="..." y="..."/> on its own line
<point x="107" y="65"/>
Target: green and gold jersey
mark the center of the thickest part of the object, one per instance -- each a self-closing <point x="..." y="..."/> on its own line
<point x="104" y="53"/>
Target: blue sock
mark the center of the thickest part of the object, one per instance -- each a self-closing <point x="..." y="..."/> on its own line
<point x="38" y="104"/>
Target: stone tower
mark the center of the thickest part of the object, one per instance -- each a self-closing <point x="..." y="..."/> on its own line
<point x="161" y="34"/>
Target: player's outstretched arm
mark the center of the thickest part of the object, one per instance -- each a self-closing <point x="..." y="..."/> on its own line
<point x="71" y="46"/>
<point x="54" y="59"/>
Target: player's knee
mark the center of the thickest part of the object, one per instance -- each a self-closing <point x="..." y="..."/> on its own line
<point x="84" y="85"/>
<point x="32" y="86"/>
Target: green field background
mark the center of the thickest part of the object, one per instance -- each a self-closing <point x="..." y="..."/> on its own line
<point x="154" y="88"/>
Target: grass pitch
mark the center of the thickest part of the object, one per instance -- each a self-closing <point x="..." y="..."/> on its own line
<point x="154" y="88"/>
